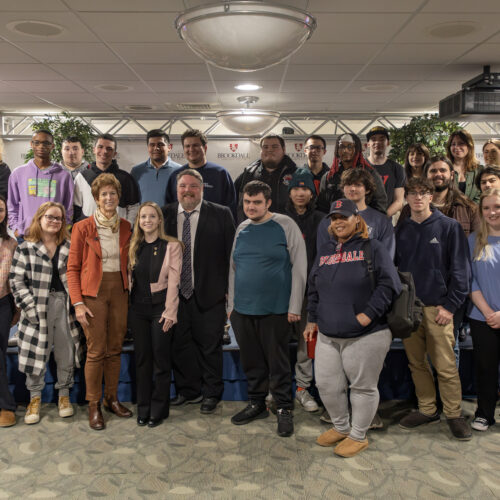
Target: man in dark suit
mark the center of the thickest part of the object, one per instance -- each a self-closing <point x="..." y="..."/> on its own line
<point x="207" y="231"/>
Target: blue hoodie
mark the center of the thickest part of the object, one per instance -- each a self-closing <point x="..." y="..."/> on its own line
<point x="436" y="253"/>
<point x="340" y="288"/>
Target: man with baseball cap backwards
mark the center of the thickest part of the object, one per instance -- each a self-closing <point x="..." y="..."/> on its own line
<point x="353" y="336"/>
<point x="348" y="154"/>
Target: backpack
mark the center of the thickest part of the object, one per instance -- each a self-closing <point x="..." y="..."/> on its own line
<point x="406" y="311"/>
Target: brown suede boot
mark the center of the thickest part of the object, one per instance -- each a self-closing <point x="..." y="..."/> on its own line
<point x="96" y="420"/>
<point x="349" y="447"/>
<point x="7" y="418"/>
<point x="330" y="437"/>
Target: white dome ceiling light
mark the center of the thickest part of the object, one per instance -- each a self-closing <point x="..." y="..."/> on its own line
<point x="244" y="35"/>
<point x="248" y="121"/>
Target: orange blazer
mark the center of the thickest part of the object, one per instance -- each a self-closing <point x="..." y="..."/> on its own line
<point x="85" y="259"/>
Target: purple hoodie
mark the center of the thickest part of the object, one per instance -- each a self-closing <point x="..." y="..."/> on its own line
<point x="29" y="187"/>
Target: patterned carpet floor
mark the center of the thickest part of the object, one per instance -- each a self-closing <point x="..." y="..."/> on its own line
<point x="193" y="456"/>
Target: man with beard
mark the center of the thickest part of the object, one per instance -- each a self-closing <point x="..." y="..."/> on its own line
<point x="447" y="198"/>
<point x="348" y="154"/>
<point x="275" y="168"/>
<point x="207" y="231"/>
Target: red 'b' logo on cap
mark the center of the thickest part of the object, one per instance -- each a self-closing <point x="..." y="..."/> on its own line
<point x="338" y="204"/>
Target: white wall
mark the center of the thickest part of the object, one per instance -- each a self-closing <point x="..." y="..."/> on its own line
<point x="234" y="154"/>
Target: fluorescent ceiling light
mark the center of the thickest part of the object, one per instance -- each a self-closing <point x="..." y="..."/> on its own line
<point x="248" y="86"/>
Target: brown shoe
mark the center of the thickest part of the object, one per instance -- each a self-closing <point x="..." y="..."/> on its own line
<point x="7" y="418"/>
<point x="114" y="406"/>
<point x="348" y="447"/>
<point x="96" y="420"/>
<point x="330" y="437"/>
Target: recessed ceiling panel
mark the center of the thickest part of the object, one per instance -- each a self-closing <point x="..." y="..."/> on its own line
<point x="156" y="53"/>
<point x="421" y="53"/>
<point x="335" y="53"/>
<point x="71" y="52"/>
<point x="172" y="71"/>
<point x="9" y="54"/>
<point x="313" y="72"/>
<point x="27" y="72"/>
<point x="103" y="72"/>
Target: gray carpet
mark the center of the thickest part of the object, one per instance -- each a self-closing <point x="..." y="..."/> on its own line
<point x="191" y="456"/>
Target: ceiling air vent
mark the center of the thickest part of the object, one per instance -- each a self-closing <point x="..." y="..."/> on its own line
<point x="194" y="106"/>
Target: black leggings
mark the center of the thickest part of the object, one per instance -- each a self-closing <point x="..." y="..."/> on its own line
<point x="486" y="342"/>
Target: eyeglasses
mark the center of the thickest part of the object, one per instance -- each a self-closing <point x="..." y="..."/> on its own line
<point x="346" y="147"/>
<point x="52" y="218"/>
<point x="314" y="148"/>
<point x="42" y="143"/>
<point x="418" y="194"/>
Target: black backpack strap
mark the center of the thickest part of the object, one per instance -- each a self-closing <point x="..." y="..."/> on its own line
<point x="367" y="253"/>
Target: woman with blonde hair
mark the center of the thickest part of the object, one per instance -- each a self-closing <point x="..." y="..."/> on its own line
<point x="98" y="285"/>
<point x="40" y="288"/>
<point x="353" y="336"/>
<point x="155" y="262"/>
<point x="484" y="245"/>
<point x="460" y="151"/>
<point x="491" y="152"/>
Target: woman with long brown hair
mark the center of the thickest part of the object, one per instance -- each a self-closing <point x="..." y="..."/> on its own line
<point x="40" y="288"/>
<point x="416" y="158"/>
<point x="484" y="245"/>
<point x="460" y="151"/>
<point x="155" y="262"/>
<point x="353" y="336"/>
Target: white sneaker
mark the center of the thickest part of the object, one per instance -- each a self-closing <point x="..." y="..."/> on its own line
<point x="480" y="424"/>
<point x="65" y="408"/>
<point x="32" y="415"/>
<point x="306" y="400"/>
<point x="325" y="417"/>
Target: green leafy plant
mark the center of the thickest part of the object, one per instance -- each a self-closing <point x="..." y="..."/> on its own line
<point x="62" y="126"/>
<point x="427" y="129"/>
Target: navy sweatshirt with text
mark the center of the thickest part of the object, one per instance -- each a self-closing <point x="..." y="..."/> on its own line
<point x="436" y="253"/>
<point x="340" y="288"/>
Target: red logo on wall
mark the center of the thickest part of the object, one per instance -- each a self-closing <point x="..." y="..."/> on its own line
<point x="233" y="147"/>
<point x="298" y="146"/>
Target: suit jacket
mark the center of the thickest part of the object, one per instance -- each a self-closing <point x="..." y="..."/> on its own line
<point x="212" y="250"/>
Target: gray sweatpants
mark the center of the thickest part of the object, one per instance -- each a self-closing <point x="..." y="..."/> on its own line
<point x="64" y="348"/>
<point x="355" y="364"/>
<point x="304" y="365"/>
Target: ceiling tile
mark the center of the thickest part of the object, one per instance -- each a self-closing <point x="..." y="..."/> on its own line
<point x="35" y="86"/>
<point x="10" y="54"/>
<point x="126" y="5"/>
<point x="453" y="6"/>
<point x="171" y="71"/>
<point x="153" y="53"/>
<point x="312" y="86"/>
<point x="322" y="72"/>
<point x="316" y="6"/>
<point x="182" y="86"/>
<point x="33" y="6"/>
<point x="340" y="28"/>
<point x="104" y="72"/>
<point x="335" y="53"/>
<point x="64" y="99"/>
<point x="421" y="53"/>
<point x="93" y="86"/>
<point x="132" y="26"/>
<point x="272" y="73"/>
<point x="71" y="52"/>
<point x="10" y="72"/>
<point x="488" y="53"/>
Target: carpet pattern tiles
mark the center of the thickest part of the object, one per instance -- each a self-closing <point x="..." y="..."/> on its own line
<point x="206" y="457"/>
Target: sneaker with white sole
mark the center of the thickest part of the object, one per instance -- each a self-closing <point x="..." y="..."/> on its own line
<point x="325" y="417"/>
<point x="32" y="415"/>
<point x="306" y="400"/>
<point x="480" y="424"/>
<point x="64" y="407"/>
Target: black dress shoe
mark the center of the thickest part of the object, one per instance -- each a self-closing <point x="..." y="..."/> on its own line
<point x="209" y="405"/>
<point x="142" y="421"/>
<point x="154" y="422"/>
<point x="181" y="400"/>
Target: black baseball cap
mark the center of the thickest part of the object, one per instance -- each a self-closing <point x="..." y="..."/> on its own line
<point x="377" y="130"/>
<point x="344" y="207"/>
